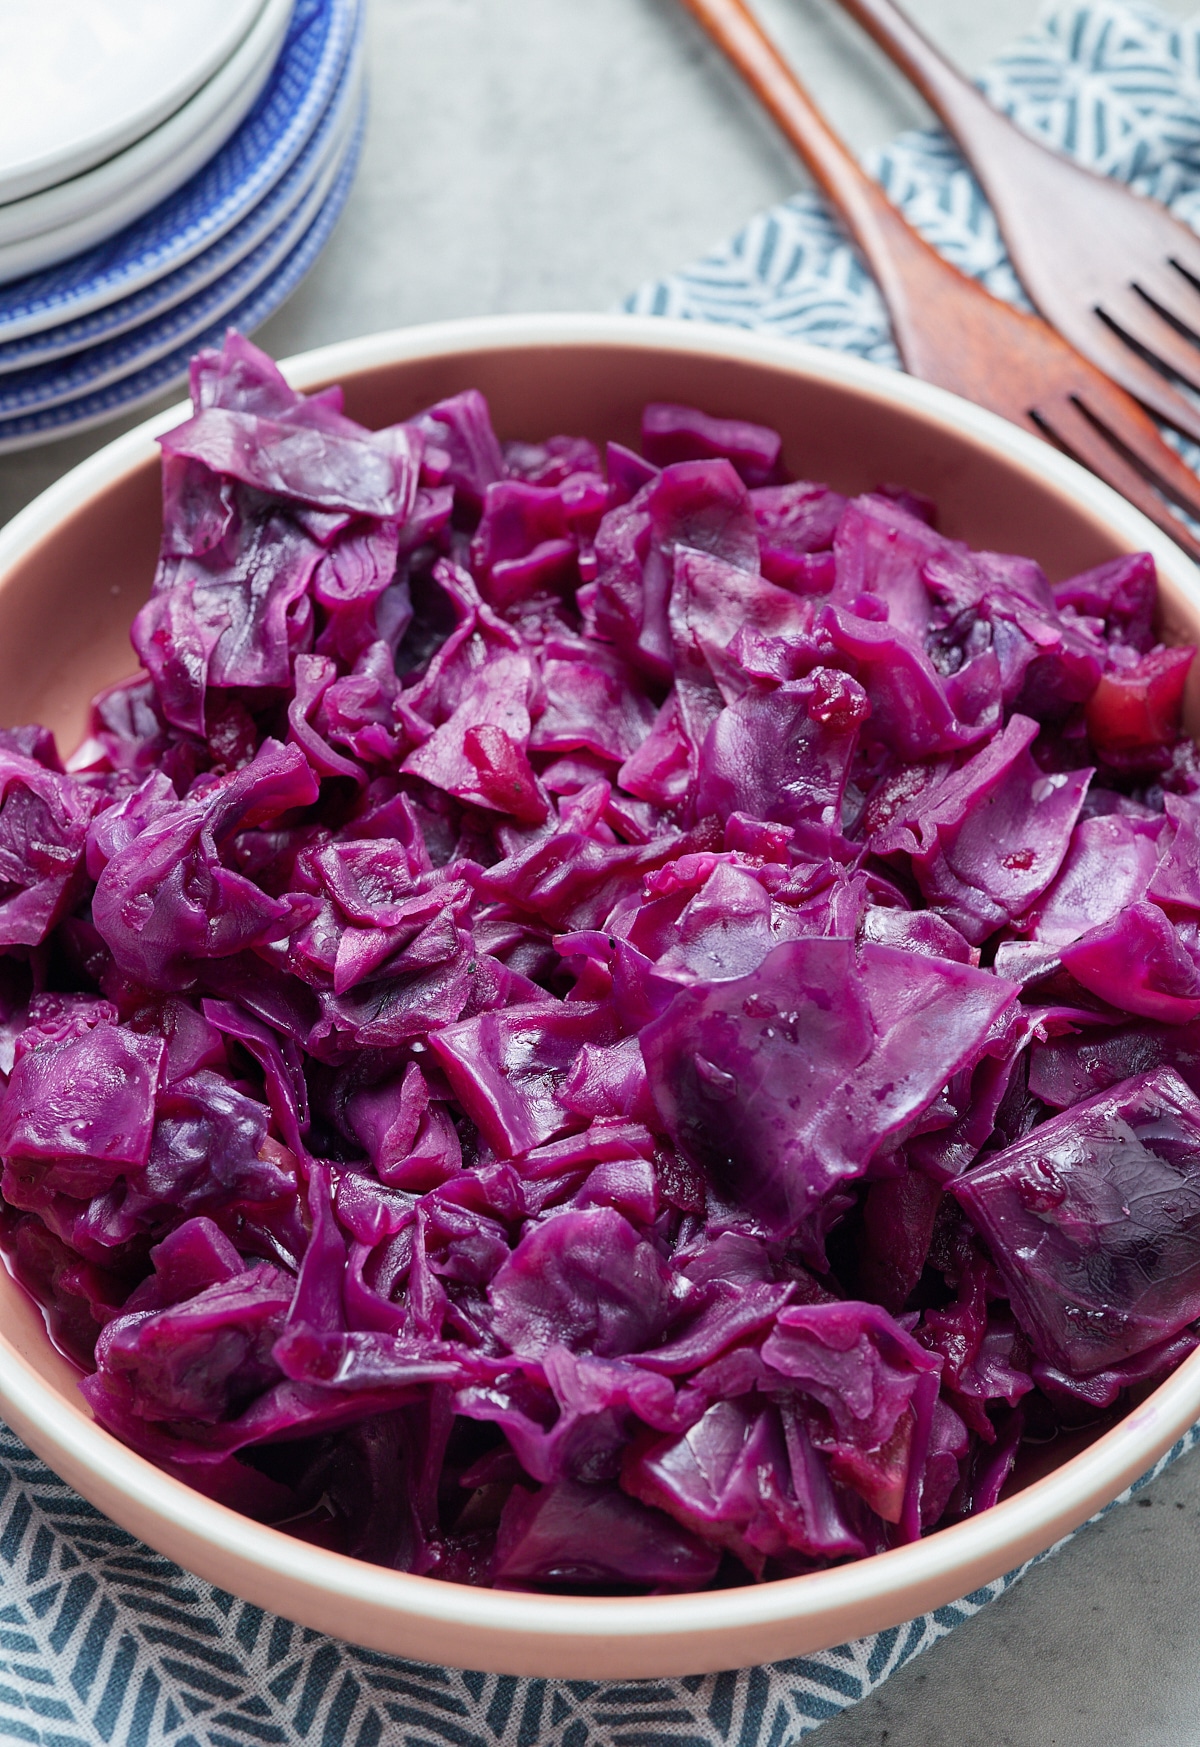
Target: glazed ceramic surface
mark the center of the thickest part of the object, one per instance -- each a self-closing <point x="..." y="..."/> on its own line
<point x="218" y="195"/>
<point x="74" y="214"/>
<point x="81" y="79"/>
<point x="75" y="566"/>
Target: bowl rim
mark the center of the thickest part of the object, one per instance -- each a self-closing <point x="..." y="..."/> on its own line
<point x="511" y="1631"/>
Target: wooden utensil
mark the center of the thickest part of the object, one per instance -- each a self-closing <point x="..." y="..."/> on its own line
<point x="1110" y="269"/>
<point x="948" y="329"/>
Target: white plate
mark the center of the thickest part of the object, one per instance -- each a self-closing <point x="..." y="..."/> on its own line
<point x="235" y="198"/>
<point x="95" y="367"/>
<point x="72" y="215"/>
<point x="82" y="79"/>
<point x="98" y="326"/>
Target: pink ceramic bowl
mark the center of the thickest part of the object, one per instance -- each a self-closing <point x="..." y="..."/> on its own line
<point x="75" y="566"/>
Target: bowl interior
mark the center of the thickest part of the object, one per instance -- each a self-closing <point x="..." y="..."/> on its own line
<point x="67" y="598"/>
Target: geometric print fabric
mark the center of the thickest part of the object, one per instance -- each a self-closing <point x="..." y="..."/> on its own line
<point x="104" y="1643"/>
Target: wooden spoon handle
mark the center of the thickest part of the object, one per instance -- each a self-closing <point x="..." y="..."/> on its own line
<point x="734" y="28"/>
<point x="910" y="274"/>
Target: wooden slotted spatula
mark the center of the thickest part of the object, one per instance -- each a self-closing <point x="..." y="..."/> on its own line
<point x="948" y="329"/>
<point x="1114" y="272"/>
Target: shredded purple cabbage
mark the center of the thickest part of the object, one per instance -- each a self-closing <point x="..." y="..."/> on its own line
<point x="602" y="1023"/>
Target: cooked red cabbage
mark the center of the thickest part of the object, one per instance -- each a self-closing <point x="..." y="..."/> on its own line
<point x="601" y="1023"/>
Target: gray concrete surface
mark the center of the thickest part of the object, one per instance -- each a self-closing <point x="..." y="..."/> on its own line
<point x="552" y="154"/>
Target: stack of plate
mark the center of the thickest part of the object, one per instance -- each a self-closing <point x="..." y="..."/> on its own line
<point x="166" y="172"/>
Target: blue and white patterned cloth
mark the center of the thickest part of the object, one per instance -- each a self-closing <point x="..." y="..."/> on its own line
<point x="104" y="1642"/>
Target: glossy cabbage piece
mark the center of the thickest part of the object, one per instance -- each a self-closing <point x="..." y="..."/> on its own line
<point x="83" y="1107"/>
<point x="1094" y="1222"/>
<point x="784" y="756"/>
<point x="44" y="818"/>
<point x="168" y="898"/>
<point x="783" y="1085"/>
<point x="684" y="433"/>
<point x="596" y="1537"/>
<point x="1122" y="593"/>
<point x="1109" y="866"/>
<point x="1080" y="1062"/>
<point x="1137" y="961"/>
<point x="585" y="1281"/>
<point x="202" y="1361"/>
<point x="746" y="1478"/>
<point x="873" y="1388"/>
<point x="986" y="841"/>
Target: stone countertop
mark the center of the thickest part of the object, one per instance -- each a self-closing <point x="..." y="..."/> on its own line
<point x="554" y="154"/>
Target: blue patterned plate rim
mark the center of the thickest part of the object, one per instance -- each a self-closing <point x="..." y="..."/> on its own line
<point x="146" y="385"/>
<point x="243" y="172"/>
<point x="86" y="372"/>
<point x="187" y="281"/>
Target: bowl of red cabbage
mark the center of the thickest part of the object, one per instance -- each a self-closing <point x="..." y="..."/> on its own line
<point x="599" y="992"/>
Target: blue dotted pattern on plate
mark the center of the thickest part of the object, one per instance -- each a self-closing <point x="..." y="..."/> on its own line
<point x="241" y="174"/>
<point x="162" y="294"/>
<point x="28" y="391"/>
<point x="146" y="384"/>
